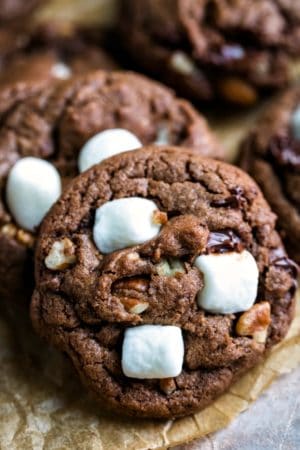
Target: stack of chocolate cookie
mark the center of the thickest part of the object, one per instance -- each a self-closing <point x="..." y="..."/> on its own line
<point x="158" y="267"/>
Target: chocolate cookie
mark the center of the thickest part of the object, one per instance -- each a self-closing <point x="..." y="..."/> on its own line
<point x="16" y="9"/>
<point x="47" y="52"/>
<point x="271" y="154"/>
<point x="54" y="121"/>
<point x="159" y="272"/>
<point x="214" y="48"/>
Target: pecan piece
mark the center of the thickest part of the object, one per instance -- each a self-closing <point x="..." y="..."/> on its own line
<point x="255" y="322"/>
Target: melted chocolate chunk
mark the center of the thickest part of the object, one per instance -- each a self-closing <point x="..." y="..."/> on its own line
<point x="279" y="259"/>
<point x="285" y="152"/>
<point x="233" y="201"/>
<point x="224" y="241"/>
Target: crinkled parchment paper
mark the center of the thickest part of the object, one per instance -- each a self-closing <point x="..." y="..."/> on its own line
<point x="43" y="406"/>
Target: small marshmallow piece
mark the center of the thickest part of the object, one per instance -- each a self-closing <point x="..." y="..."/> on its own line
<point x="124" y="222"/>
<point x="183" y="64"/>
<point x="230" y="282"/>
<point x="61" y="71"/>
<point x="295" y="123"/>
<point x="106" y="144"/>
<point x="163" y="136"/>
<point x="152" y="351"/>
<point x="33" y="186"/>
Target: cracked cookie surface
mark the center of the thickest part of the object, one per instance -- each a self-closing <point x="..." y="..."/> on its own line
<point x="55" y="120"/>
<point x="85" y="308"/>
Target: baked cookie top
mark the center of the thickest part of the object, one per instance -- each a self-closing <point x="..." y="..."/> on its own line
<point x="271" y="154"/>
<point x="210" y="48"/>
<point x="49" y="51"/>
<point x="159" y="272"/>
<point x="62" y="123"/>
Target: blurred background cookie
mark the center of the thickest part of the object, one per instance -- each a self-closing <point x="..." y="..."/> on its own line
<point x="48" y="51"/>
<point x="271" y="154"/>
<point x="236" y="50"/>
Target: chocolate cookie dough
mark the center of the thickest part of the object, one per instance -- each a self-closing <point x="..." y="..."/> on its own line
<point x="159" y="272"/>
<point x="271" y="154"/>
<point x="50" y="51"/>
<point x="54" y="121"/>
<point x="214" y="48"/>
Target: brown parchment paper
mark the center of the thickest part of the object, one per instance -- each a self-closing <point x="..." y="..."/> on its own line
<point x="43" y="406"/>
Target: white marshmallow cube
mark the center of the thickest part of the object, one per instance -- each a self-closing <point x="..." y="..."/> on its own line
<point x="163" y="135"/>
<point x="230" y="282"/>
<point x="33" y="186"/>
<point x="106" y="144"/>
<point x="124" y="222"/>
<point x="183" y="64"/>
<point x="152" y="351"/>
<point x="295" y="123"/>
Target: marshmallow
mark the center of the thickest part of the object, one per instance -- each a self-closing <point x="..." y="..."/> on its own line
<point x="163" y="136"/>
<point x="33" y="186"/>
<point x="230" y="282"/>
<point x="106" y="144"/>
<point x="124" y="222"/>
<point x="152" y="351"/>
<point x="295" y="123"/>
<point x="183" y="64"/>
<point x="61" y="71"/>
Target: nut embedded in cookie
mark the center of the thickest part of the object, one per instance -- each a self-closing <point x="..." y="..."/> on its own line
<point x="61" y="255"/>
<point x="255" y="322"/>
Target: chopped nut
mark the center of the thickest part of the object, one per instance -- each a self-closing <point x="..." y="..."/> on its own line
<point x="167" y="385"/>
<point x="261" y="336"/>
<point x="136" y="284"/>
<point x="238" y="91"/>
<point x="160" y="218"/>
<point x="25" y="238"/>
<point x="61" y="255"/>
<point x="170" y="267"/>
<point x="255" y="322"/>
<point x="134" y="305"/>
<point x="134" y="256"/>
<point x="9" y="230"/>
<point x="157" y="254"/>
